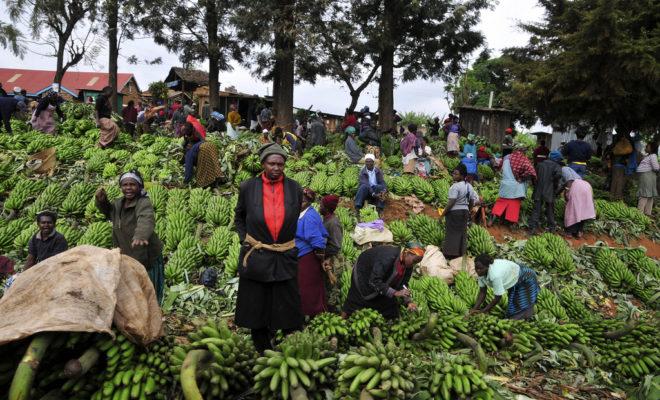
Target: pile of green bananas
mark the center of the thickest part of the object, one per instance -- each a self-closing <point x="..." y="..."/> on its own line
<point x="242" y="176"/>
<point x="49" y="198"/>
<point x="466" y="287"/>
<point x="72" y="235"/>
<point x="350" y="179"/>
<point x="232" y="259"/>
<point x="252" y="163"/>
<point x="134" y="372"/>
<point x="348" y="249"/>
<point x="97" y="234"/>
<point x="228" y="361"/>
<point x="547" y="301"/>
<point x="299" y="165"/>
<point x="408" y="324"/>
<point x="423" y="189"/>
<point x="536" y="252"/>
<point x="346" y="219"/>
<point x="219" y="211"/>
<point x="574" y="306"/>
<point x="613" y="270"/>
<point x="394" y="161"/>
<point x="333" y="185"/>
<point x="380" y="370"/>
<point x="450" y="162"/>
<point x="177" y="200"/>
<point x="552" y="335"/>
<point x="480" y="241"/>
<point x="219" y="243"/>
<point x="303" y="366"/>
<point x="96" y="163"/>
<point x="21" y="241"/>
<point x="639" y="262"/>
<point x="488" y="330"/>
<point x="317" y="154"/>
<point x="77" y="198"/>
<point x="318" y="182"/>
<point x="328" y="325"/>
<point x="199" y="200"/>
<point x="110" y="170"/>
<point x="158" y="196"/>
<point x="24" y="189"/>
<point x="400" y="232"/>
<point x="303" y="178"/>
<point x="426" y="230"/>
<point x="361" y="323"/>
<point x="179" y="225"/>
<point x="185" y="259"/>
<point x="618" y="211"/>
<point x="41" y="142"/>
<point x="401" y="186"/>
<point x="456" y="377"/>
<point x="368" y="213"/>
<point x="439" y="297"/>
<point x="549" y="251"/>
<point x="486" y="173"/>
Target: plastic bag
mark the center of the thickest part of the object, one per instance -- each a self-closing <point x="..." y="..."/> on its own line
<point x="363" y="235"/>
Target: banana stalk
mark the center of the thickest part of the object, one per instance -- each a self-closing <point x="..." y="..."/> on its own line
<point x="80" y="366"/>
<point x="192" y="364"/>
<point x="27" y="369"/>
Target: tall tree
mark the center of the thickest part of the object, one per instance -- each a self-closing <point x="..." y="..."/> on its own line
<point x="592" y="62"/>
<point x="112" y="11"/>
<point x="11" y="38"/>
<point x="61" y="25"/>
<point x="422" y="39"/>
<point x="198" y="30"/>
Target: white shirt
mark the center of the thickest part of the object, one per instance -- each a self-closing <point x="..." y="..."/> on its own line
<point x="372" y="177"/>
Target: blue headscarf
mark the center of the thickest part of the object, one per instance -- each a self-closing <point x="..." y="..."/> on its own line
<point x="555" y="155"/>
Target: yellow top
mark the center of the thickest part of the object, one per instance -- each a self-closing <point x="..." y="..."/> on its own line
<point x="234" y="118"/>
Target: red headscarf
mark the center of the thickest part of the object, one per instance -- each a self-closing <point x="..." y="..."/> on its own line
<point x="330" y="202"/>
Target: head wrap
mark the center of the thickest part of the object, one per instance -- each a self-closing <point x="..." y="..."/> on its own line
<point x="508" y="130"/>
<point x="414" y="248"/>
<point x="330" y="202"/>
<point x="309" y="194"/>
<point x="482" y="148"/>
<point x="470" y="137"/>
<point x="270" y="149"/>
<point x="555" y="155"/>
<point x="264" y="131"/>
<point x="131" y="175"/>
<point x="350" y="130"/>
<point x="369" y="157"/>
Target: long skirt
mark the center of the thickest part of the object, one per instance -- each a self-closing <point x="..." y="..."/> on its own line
<point x="208" y="166"/>
<point x="618" y="182"/>
<point x="271" y="305"/>
<point x="579" y="204"/>
<point x="387" y="306"/>
<point x="311" y="284"/>
<point x="44" y="122"/>
<point x="108" y="131"/>
<point x="647" y="184"/>
<point x="455" y="243"/>
<point x="452" y="142"/>
<point x="157" y="276"/>
<point x="510" y="208"/>
<point x="522" y="296"/>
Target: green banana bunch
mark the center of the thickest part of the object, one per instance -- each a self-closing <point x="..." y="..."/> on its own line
<point x="333" y="185"/>
<point x="574" y="306"/>
<point x="303" y="178"/>
<point x="561" y="253"/>
<point x="427" y="230"/>
<point x="480" y="241"/>
<point x="639" y="262"/>
<point x="179" y="225"/>
<point x="450" y="162"/>
<point x="346" y="219"/>
<point x="300" y="165"/>
<point x="379" y="370"/>
<point x="41" y="142"/>
<point x="252" y="163"/>
<point x="466" y="287"/>
<point x="177" y="200"/>
<point x="301" y="365"/>
<point x="423" y="189"/>
<point x="242" y="176"/>
<point x="97" y="234"/>
<point x="218" y="211"/>
<point x="158" y="196"/>
<point x="394" y="161"/>
<point x="350" y="181"/>
<point x="618" y="211"/>
<point x="24" y="189"/>
<point x="232" y="259"/>
<point x="160" y="145"/>
<point x="548" y="302"/>
<point x="21" y="241"/>
<point x="402" y="185"/>
<point x="408" y="324"/>
<point x="345" y="284"/>
<point x="185" y="259"/>
<point x="400" y="232"/>
<point x="161" y="226"/>
<point x="97" y="161"/>
<point x="439" y="298"/>
<point x="328" y="325"/>
<point x="120" y="155"/>
<point x="557" y="336"/>
<point x="613" y="270"/>
<point x="69" y="150"/>
<point x="318" y="182"/>
<point x="110" y="170"/>
<point x="361" y="322"/>
<point x="368" y="213"/>
<point x="348" y="249"/>
<point x="456" y="377"/>
<point x="51" y="197"/>
<point x="486" y="173"/>
<point x="488" y="330"/>
<point x="199" y="199"/>
<point x="77" y="198"/>
<point x="219" y="243"/>
<point x="441" y="188"/>
<point x="71" y="234"/>
<point x="536" y="252"/>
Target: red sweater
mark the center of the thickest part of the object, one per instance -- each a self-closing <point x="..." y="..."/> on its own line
<point x="273" y="199"/>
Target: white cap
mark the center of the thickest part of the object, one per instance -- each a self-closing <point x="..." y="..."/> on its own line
<point x="17" y="89"/>
<point x="369" y="157"/>
<point x="469" y="155"/>
<point x="55" y="87"/>
<point x="264" y="131"/>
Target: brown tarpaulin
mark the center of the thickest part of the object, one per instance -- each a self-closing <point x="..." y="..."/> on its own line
<point x="84" y="289"/>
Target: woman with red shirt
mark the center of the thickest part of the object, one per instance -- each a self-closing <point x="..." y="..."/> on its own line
<point x="266" y="220"/>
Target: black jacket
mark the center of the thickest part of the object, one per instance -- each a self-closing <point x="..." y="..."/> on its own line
<point x="265" y="265"/>
<point x="375" y="270"/>
<point x="548" y="174"/>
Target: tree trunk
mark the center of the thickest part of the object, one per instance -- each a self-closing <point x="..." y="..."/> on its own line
<point x="355" y="96"/>
<point x="386" y="82"/>
<point x="59" y="69"/>
<point x="113" y="51"/>
<point x="214" y="52"/>
<point x="284" y="65"/>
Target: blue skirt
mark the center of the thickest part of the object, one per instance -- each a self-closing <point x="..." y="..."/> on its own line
<point x="523" y="294"/>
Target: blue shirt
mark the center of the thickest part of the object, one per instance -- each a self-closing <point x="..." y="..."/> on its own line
<point x="510" y="188"/>
<point x="190" y="161"/>
<point x="311" y="234"/>
<point x="470" y="165"/>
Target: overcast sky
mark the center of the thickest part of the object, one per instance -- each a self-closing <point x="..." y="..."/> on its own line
<point x="498" y="26"/>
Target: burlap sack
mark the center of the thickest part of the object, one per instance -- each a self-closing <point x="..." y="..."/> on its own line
<point x="368" y="235"/>
<point x="82" y="290"/>
<point x="42" y="162"/>
<point x="435" y="264"/>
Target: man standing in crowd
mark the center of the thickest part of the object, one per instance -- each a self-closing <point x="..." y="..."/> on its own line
<point x="577" y="153"/>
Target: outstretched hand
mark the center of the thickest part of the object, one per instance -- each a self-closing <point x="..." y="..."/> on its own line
<point x="138" y="242"/>
<point x="101" y="195"/>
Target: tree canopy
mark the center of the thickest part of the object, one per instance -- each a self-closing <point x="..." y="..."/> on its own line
<point x="592" y="62"/>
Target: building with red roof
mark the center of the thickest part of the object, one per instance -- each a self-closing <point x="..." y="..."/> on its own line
<point x="78" y="85"/>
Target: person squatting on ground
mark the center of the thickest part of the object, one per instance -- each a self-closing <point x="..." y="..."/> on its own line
<point x="372" y="185"/>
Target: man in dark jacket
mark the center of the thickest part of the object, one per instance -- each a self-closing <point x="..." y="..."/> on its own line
<point x="316" y="135"/>
<point x="379" y="277"/>
<point x="548" y="176"/>
<point x="8" y="105"/>
<point x="372" y="185"/>
<point x="577" y="152"/>
<point x="266" y="221"/>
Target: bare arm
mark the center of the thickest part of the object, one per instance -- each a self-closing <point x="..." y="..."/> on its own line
<point x="492" y="304"/>
<point x="480" y="298"/>
<point x="29" y="262"/>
